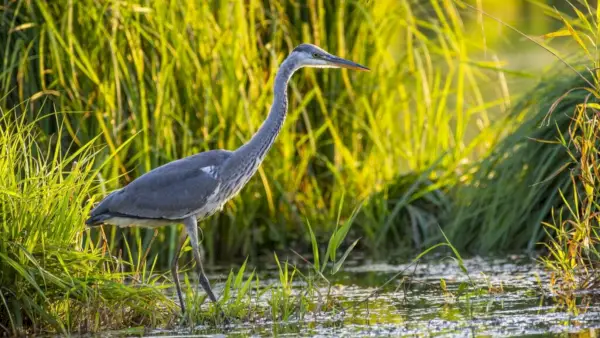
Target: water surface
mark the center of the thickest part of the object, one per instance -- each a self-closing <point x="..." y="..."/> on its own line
<point x="505" y="297"/>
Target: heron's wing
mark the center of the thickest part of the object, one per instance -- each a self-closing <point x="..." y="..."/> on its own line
<point x="172" y="191"/>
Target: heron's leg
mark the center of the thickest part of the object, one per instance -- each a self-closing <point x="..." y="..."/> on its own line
<point x="191" y="225"/>
<point x="175" y="268"/>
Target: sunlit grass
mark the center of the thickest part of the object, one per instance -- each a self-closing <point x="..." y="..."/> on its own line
<point x="573" y="254"/>
<point x="185" y="77"/>
<point x="540" y="183"/>
<point x="513" y="190"/>
<point x="51" y="278"/>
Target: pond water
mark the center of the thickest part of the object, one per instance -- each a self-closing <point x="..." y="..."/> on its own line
<point x="505" y="297"/>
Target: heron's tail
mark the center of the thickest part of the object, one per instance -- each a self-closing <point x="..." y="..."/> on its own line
<point x="96" y="220"/>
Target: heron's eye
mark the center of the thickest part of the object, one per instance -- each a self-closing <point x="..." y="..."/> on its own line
<point x="315" y="55"/>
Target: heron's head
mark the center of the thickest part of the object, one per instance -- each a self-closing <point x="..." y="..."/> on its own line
<point x="308" y="55"/>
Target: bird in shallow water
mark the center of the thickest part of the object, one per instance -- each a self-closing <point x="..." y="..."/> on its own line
<point x="191" y="189"/>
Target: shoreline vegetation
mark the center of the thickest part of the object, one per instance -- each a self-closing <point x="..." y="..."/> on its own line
<point x="433" y="142"/>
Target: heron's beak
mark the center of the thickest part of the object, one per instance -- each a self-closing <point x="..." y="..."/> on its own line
<point x="343" y="63"/>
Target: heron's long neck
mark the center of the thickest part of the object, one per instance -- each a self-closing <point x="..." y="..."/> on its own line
<point x="264" y="138"/>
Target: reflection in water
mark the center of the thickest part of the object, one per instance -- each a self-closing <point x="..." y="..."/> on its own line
<point x="510" y="297"/>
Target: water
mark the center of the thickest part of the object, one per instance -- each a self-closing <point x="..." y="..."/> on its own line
<point x="513" y="300"/>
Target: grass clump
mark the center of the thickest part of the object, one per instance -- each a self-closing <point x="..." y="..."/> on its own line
<point x="513" y="190"/>
<point x="295" y="294"/>
<point x="541" y="183"/>
<point x="51" y="278"/>
<point x="574" y="255"/>
<point x="573" y="251"/>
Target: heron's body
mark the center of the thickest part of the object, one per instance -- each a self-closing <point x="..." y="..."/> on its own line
<point x="193" y="188"/>
<point x="180" y="189"/>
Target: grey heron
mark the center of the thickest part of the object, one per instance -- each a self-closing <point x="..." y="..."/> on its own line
<point x="193" y="188"/>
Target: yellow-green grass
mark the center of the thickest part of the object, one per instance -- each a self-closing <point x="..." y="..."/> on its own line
<point x="51" y="279"/>
<point x="539" y="188"/>
<point x="179" y="77"/>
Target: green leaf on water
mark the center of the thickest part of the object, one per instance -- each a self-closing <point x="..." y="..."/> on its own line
<point x="462" y="288"/>
<point x="240" y="275"/>
<point x="339" y="263"/>
<point x="283" y="272"/>
<point x="244" y="289"/>
<point x="339" y="235"/>
<point x="227" y="290"/>
<point x="315" y="246"/>
<point x="334" y="239"/>
<point x="459" y="259"/>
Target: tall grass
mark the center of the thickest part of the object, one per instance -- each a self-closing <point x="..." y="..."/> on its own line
<point x="513" y="190"/>
<point x="573" y="250"/>
<point x="540" y="183"/>
<point x="185" y="77"/>
<point x="50" y="278"/>
<point x="573" y="255"/>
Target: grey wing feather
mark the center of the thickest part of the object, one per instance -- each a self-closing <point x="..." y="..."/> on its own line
<point x="172" y="191"/>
